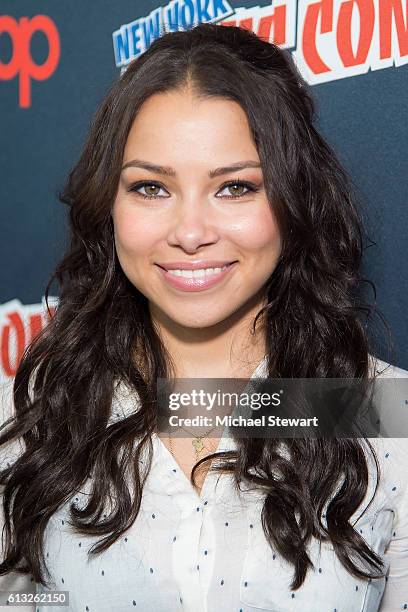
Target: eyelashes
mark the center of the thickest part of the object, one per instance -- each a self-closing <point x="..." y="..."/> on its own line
<point x="250" y="188"/>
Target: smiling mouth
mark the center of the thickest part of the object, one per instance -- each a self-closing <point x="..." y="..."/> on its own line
<point x="203" y="272"/>
<point x="198" y="279"/>
<point x="197" y="264"/>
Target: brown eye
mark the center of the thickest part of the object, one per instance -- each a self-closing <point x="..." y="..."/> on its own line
<point x="151" y="190"/>
<point x="236" y="189"/>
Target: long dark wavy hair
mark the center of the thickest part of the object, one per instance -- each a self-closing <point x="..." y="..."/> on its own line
<point x="101" y="332"/>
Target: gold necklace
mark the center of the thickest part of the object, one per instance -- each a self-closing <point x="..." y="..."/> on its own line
<point x="196" y="442"/>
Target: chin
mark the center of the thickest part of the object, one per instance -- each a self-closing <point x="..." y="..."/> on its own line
<point x="198" y="322"/>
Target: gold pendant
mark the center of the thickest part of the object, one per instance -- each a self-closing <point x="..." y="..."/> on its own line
<point x="198" y="444"/>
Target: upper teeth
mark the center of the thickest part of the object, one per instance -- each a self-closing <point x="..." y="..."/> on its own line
<point x="197" y="273"/>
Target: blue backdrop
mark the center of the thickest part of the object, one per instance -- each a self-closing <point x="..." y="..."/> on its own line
<point x="362" y="113"/>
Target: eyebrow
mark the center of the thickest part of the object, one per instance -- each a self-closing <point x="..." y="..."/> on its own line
<point x="167" y="171"/>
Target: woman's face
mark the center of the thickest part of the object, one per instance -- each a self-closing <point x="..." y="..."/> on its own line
<point x="192" y="216"/>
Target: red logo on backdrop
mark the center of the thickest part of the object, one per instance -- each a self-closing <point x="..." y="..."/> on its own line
<point x="19" y="325"/>
<point x="331" y="39"/>
<point x="21" y="62"/>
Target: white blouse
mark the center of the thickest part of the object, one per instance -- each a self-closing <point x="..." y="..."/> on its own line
<point x="208" y="553"/>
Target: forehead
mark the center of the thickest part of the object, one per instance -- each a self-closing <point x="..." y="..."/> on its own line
<point x="180" y="126"/>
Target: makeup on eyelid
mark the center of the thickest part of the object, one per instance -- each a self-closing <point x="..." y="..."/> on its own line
<point x="250" y="188"/>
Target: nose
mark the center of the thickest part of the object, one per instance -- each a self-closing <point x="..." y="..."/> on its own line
<point x="193" y="225"/>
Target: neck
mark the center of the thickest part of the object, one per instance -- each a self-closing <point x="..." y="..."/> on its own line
<point x="229" y="349"/>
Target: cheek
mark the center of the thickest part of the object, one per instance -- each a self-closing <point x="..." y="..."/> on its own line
<point x="258" y="232"/>
<point x="134" y="235"/>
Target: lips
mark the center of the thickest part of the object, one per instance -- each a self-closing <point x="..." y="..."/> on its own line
<point x="195" y="265"/>
<point x="196" y="284"/>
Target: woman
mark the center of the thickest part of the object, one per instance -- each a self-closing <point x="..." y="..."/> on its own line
<point x="202" y="156"/>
